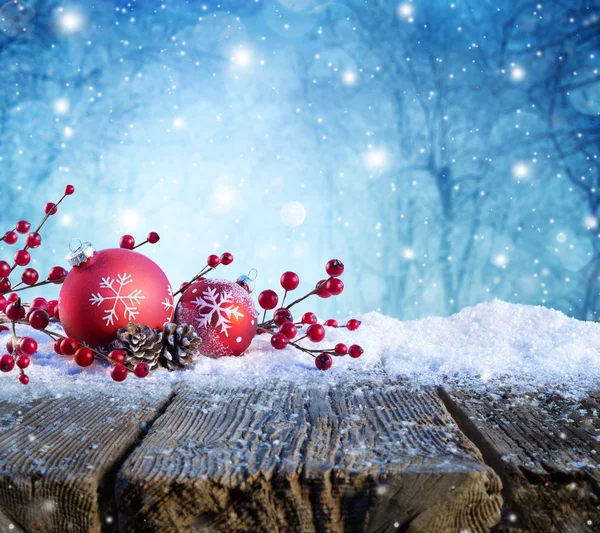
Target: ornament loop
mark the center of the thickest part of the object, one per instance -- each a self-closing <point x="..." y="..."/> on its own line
<point x="81" y="254"/>
<point x="71" y="242"/>
<point x="247" y="281"/>
<point x="253" y="274"/>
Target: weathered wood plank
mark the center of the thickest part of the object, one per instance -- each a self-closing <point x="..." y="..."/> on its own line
<point x="547" y="452"/>
<point x="56" y="459"/>
<point x="367" y="457"/>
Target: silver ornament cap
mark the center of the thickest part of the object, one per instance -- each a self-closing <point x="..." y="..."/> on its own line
<point x="81" y="253"/>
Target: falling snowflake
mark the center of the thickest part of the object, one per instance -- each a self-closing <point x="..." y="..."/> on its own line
<point x="129" y="301"/>
<point x="220" y="306"/>
<point x="169" y="304"/>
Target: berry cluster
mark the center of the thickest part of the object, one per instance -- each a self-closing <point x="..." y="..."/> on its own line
<point x="128" y="242"/>
<point x="212" y="262"/>
<point x="284" y="330"/>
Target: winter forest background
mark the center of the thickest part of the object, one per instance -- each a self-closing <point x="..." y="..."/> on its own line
<point x="446" y="151"/>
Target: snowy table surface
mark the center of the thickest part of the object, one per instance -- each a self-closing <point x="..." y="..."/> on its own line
<point x="416" y="434"/>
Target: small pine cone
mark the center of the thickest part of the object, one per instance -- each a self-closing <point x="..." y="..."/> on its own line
<point x="141" y="344"/>
<point x="180" y="346"/>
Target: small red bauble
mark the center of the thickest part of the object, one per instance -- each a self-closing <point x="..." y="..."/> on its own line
<point x="341" y="348"/>
<point x="127" y="242"/>
<point x="223" y="314"/>
<point x="268" y="299"/>
<point x="69" y="346"/>
<point x="10" y="237"/>
<point x="289" y="281"/>
<point x="69" y="189"/>
<point x="15" y="311"/>
<point x="226" y="258"/>
<point x="5" y="286"/>
<point x="119" y="373"/>
<point x="23" y="226"/>
<point x="309" y="318"/>
<point x="334" y="268"/>
<point x="84" y="356"/>
<point x="355" y="351"/>
<point x="24" y="379"/>
<point x="335" y="286"/>
<point x="213" y="261"/>
<point x="30" y="276"/>
<point x="279" y="341"/>
<point x="282" y="315"/>
<point x="315" y="333"/>
<point x="22" y="258"/>
<point x="153" y="237"/>
<point x="141" y="370"/>
<point x="289" y="330"/>
<point x="4" y="269"/>
<point x="23" y="361"/>
<point x="322" y="291"/>
<point x="323" y="361"/>
<point x="331" y="323"/>
<point x="38" y="318"/>
<point x="57" y="348"/>
<point x="353" y="324"/>
<point x="57" y="274"/>
<point x="50" y="209"/>
<point x="33" y="240"/>
<point x="27" y="346"/>
<point x="7" y="363"/>
<point x="118" y="356"/>
<point x="39" y="303"/>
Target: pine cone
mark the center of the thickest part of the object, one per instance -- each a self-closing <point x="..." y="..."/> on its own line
<point x="141" y="344"/>
<point x="180" y="346"/>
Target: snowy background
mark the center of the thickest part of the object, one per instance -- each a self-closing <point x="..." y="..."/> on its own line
<point x="446" y="151"/>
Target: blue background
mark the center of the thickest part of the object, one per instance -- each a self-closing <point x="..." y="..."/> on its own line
<point x="447" y="152"/>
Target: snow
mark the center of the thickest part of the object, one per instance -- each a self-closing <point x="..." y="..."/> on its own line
<point x="492" y="345"/>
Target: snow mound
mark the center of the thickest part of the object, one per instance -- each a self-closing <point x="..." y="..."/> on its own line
<point x="494" y="344"/>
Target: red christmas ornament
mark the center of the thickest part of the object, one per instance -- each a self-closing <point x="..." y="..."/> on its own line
<point x="106" y="289"/>
<point x="223" y="314"/>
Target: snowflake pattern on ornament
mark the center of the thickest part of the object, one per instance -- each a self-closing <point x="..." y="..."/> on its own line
<point x="219" y="305"/>
<point x="129" y="301"/>
<point x="169" y="303"/>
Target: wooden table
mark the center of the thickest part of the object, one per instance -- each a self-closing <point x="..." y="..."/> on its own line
<point x="376" y="455"/>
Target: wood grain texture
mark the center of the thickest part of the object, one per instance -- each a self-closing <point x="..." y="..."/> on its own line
<point x="545" y="449"/>
<point x="56" y="458"/>
<point x="366" y="457"/>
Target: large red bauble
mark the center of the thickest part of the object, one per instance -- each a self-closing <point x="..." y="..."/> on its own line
<point x="223" y="315"/>
<point x="112" y="288"/>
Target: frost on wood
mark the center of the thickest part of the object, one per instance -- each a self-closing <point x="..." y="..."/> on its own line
<point x="129" y="302"/>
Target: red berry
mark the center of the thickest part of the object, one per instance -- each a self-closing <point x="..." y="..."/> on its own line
<point x="268" y="299"/>
<point x="334" y="268"/>
<point x="323" y="361"/>
<point x="127" y="242"/>
<point x="353" y="324"/>
<point x="153" y="237"/>
<point x="3" y="329"/>
<point x="322" y="289"/>
<point x="50" y="209"/>
<point x="341" y="348"/>
<point x="4" y="269"/>
<point x="7" y="363"/>
<point x="331" y="323"/>
<point x="23" y="226"/>
<point x="10" y="237"/>
<point x="355" y="351"/>
<point x="22" y="258"/>
<point x="69" y="190"/>
<point x="69" y="346"/>
<point x="23" y="361"/>
<point x="213" y="261"/>
<point x="33" y="240"/>
<point x="3" y="303"/>
<point x="15" y="311"/>
<point x="24" y="378"/>
<point x="119" y="373"/>
<point x="335" y="286"/>
<point x="309" y="318"/>
<point x="13" y="297"/>
<point x="282" y="315"/>
<point x="118" y="356"/>
<point x="5" y="286"/>
<point x="226" y="258"/>
<point x="10" y="347"/>
<point x="27" y="346"/>
<point x="141" y="370"/>
<point x="84" y="356"/>
<point x="57" y="275"/>
<point x="57" y="348"/>
<point x="39" y="303"/>
<point x="289" y="281"/>
<point x="38" y="318"/>
<point x="30" y="276"/>
<point x="53" y="308"/>
<point x="315" y="333"/>
<point x="279" y="341"/>
<point x="289" y="330"/>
